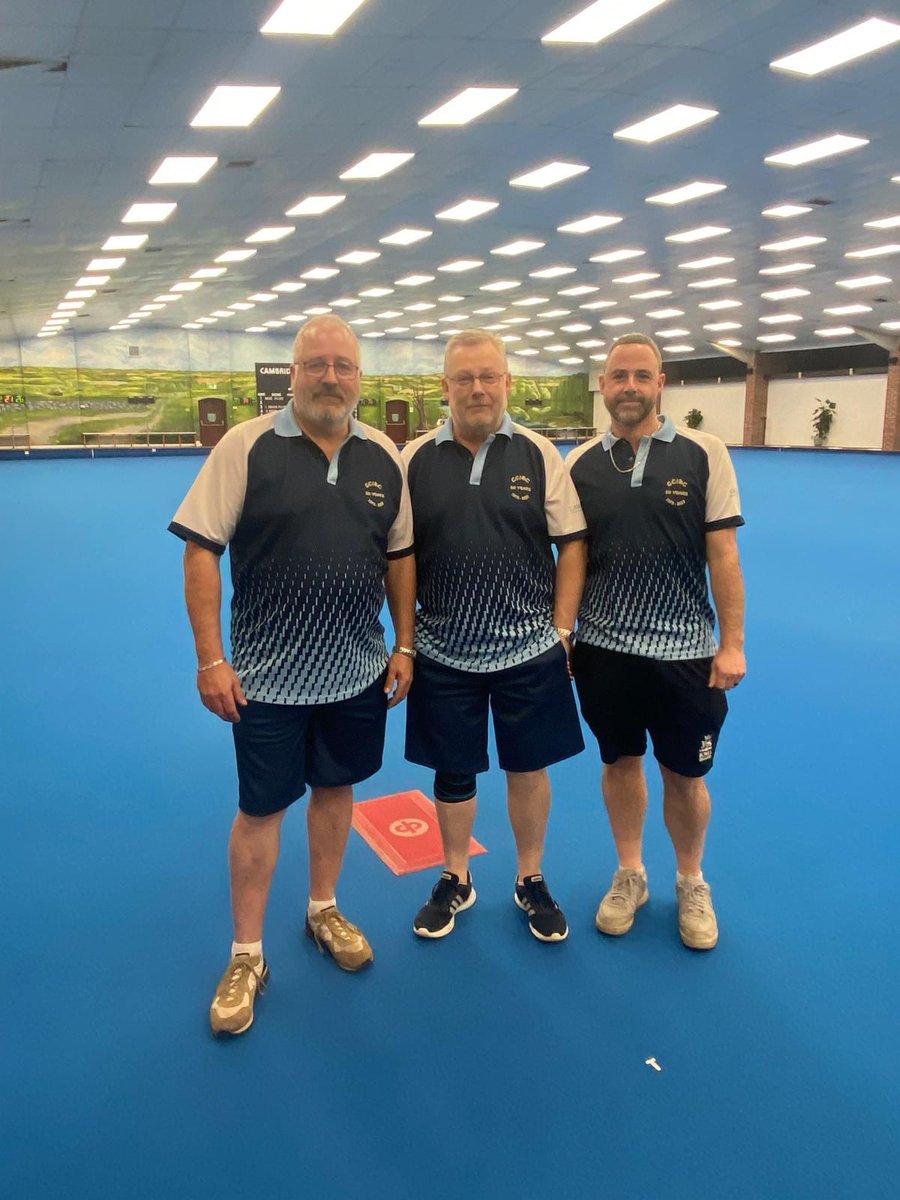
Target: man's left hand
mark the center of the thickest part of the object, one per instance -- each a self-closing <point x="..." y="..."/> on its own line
<point x="399" y="678"/>
<point x="728" y="669"/>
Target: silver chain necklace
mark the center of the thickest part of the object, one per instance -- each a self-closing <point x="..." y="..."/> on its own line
<point x="621" y="470"/>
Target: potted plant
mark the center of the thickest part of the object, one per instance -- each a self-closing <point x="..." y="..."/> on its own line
<point x="822" y="420"/>
<point x="693" y="419"/>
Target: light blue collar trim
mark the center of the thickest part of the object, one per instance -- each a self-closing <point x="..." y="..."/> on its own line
<point x="286" y="425"/>
<point x="665" y="433"/>
<point x="445" y="433"/>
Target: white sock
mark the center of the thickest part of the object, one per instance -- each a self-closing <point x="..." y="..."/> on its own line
<point x="698" y="878"/>
<point x="316" y="906"/>
<point x="254" y="949"/>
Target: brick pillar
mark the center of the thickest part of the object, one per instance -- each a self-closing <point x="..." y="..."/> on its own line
<point x="756" y="403"/>
<point x="891" y="436"/>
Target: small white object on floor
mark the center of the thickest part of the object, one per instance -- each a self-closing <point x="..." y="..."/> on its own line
<point x="651" y="1062"/>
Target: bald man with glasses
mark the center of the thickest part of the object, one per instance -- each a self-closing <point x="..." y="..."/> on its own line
<point x="314" y="510"/>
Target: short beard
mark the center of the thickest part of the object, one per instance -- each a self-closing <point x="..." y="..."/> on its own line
<point x="647" y="407"/>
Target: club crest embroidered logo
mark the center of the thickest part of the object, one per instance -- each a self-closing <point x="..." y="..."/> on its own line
<point x="676" y="492"/>
<point x="520" y="487"/>
<point x="706" y="748"/>
<point x="374" y="493"/>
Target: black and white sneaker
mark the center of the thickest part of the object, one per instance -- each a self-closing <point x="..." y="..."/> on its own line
<point x="545" y="917"/>
<point x="437" y="918"/>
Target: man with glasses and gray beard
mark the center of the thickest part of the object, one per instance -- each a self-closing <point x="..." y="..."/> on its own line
<point x="314" y="510"/>
<point x="495" y="619"/>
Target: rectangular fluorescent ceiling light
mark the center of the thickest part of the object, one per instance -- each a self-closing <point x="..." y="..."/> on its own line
<point x="890" y="324"/>
<point x="702" y="264"/>
<point x="653" y="294"/>
<point x="785" y="294"/>
<point x="451" y="300"/>
<point x="786" y="210"/>
<point x="846" y="310"/>
<point x="698" y="234"/>
<point x="617" y="256"/>
<point x="522" y="246"/>
<point x="549" y="174"/>
<point x="551" y="313"/>
<point x="530" y="301"/>
<point x="575" y="327"/>
<point x="689" y="191"/>
<point x="231" y="256"/>
<point x="842" y="47"/>
<point x="376" y="165"/>
<point x="221" y="312"/>
<point x="717" y="281"/>
<point x="405" y="237"/>
<point x="776" y="337"/>
<point x="834" y="331"/>
<point x="581" y="289"/>
<point x="792" y="243"/>
<point x="187" y="286"/>
<point x="883" y="223"/>
<point x="600" y="20"/>
<point x="80" y="294"/>
<point x="837" y="143"/>
<point x="150" y="214"/>
<point x="721" y="326"/>
<point x="467" y="105"/>
<point x="270" y="233"/>
<point x="462" y="264"/>
<point x="863" y="281"/>
<point x="263" y="297"/>
<point x="552" y="272"/>
<point x="289" y="285"/>
<point x="314" y="206"/>
<point x="589" y="224"/>
<point x="665" y="314"/>
<point x="231" y="107"/>
<point x="787" y="268"/>
<point x="501" y="285"/>
<point x="208" y="273"/>
<point x="595" y="305"/>
<point x="466" y="210"/>
<point x="616" y="320"/>
<point x="92" y="280"/>
<point x="670" y="333"/>
<point x="358" y="257"/>
<point x="414" y="280"/>
<point x="167" y="297"/>
<point x="637" y="277"/>
<point x="310" y="17"/>
<point x="125" y="241"/>
<point x="389" y="314"/>
<point x="376" y="293"/>
<point x="105" y="264"/>
<point x="241" y="306"/>
<point x="67" y="304"/>
<point x="873" y="251"/>
<point x="781" y="319"/>
<point x="718" y="305"/>
<point x="151" y="307"/>
<point x="666" y="123"/>
<point x="181" y="169"/>
<point x="320" y="273"/>
<point x="489" y="309"/>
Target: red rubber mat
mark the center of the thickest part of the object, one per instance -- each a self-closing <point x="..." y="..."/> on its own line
<point x="403" y="831"/>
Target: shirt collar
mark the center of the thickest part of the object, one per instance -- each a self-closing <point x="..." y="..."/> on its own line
<point x="665" y="433"/>
<point x="445" y="433"/>
<point x="286" y="425"/>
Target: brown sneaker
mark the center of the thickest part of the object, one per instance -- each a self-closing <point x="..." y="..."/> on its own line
<point x="232" y="1008"/>
<point x="346" y="944"/>
<point x="696" y="917"/>
<point x="628" y="893"/>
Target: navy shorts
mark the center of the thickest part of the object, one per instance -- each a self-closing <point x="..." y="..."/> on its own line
<point x="625" y="696"/>
<point x="535" y="718"/>
<point x="280" y="748"/>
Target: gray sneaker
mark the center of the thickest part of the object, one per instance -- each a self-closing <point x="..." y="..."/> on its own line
<point x="232" y="1008"/>
<point x="696" y="917"/>
<point x="334" y="934"/>
<point x="628" y="893"/>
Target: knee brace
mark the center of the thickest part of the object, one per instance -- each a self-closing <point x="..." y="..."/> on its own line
<point x="452" y="788"/>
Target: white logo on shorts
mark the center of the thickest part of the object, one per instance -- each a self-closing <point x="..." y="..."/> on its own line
<point x="706" y="748"/>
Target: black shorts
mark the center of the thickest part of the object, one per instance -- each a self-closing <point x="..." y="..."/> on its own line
<point x="535" y="718"/>
<point x="280" y="748"/>
<point x="624" y="697"/>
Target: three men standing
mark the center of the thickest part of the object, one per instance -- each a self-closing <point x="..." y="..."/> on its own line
<point x="661" y="506"/>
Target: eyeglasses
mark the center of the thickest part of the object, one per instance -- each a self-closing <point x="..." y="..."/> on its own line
<point x="465" y="379"/>
<point x="317" y="368"/>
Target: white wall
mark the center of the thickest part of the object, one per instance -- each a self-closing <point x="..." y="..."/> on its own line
<point x="722" y="405"/>
<point x="858" y="422"/>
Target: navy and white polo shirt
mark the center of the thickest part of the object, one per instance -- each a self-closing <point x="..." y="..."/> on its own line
<point x="309" y="542"/>
<point x="483" y="533"/>
<point x="648" y="516"/>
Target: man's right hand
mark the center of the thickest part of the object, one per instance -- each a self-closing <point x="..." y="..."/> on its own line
<point x="221" y="692"/>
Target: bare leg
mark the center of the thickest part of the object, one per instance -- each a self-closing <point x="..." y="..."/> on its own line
<point x="253" y="853"/>
<point x="625" y="795"/>
<point x="328" y="818"/>
<point x="457" y="822"/>
<point x="687" y="808"/>
<point x="528" y="800"/>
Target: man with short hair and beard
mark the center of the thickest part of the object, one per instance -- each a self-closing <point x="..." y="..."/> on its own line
<point x="315" y="511"/>
<point x="662" y="507"/>
<point x="495" y="617"/>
